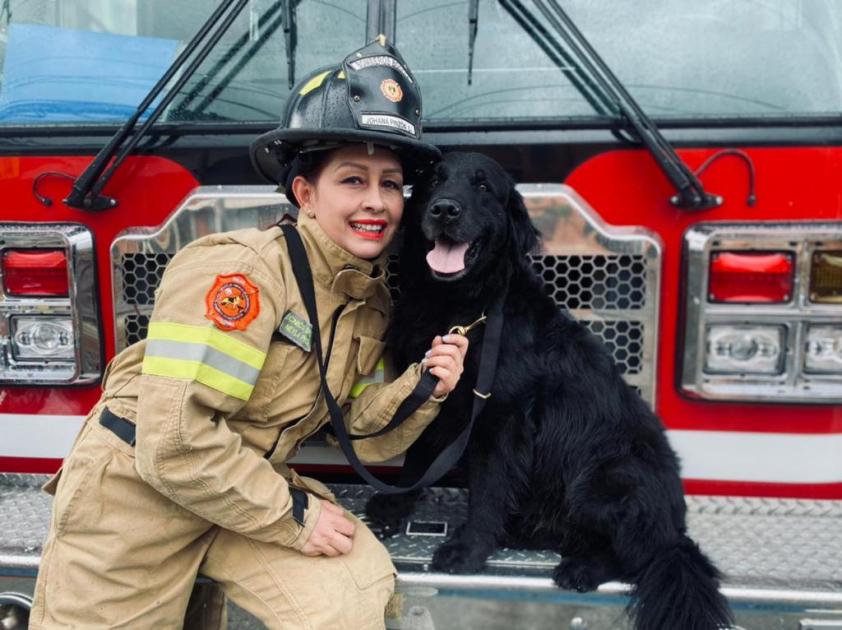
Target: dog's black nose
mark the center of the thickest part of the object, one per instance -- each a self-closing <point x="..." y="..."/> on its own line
<point x="446" y="209"/>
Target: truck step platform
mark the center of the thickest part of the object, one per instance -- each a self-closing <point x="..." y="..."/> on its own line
<point x="782" y="558"/>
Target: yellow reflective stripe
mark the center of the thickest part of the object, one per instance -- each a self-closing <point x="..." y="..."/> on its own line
<point x="208" y="336"/>
<point x="200" y="372"/>
<point x="378" y="376"/>
<point x="313" y="83"/>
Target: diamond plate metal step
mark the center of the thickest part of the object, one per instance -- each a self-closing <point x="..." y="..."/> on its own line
<point x="778" y="544"/>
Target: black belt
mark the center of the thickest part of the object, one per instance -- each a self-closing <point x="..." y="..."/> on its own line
<point x="122" y="428"/>
<point x="125" y="430"/>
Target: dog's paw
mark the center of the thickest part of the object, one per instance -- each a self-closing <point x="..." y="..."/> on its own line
<point x="457" y="556"/>
<point x="577" y="574"/>
<point x="386" y="514"/>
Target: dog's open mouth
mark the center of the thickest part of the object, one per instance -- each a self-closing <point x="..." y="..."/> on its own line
<point x="449" y="260"/>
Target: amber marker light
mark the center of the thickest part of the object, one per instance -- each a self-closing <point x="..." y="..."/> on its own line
<point x="826" y="277"/>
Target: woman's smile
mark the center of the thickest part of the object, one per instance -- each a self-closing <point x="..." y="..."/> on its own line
<point x="371" y="229"/>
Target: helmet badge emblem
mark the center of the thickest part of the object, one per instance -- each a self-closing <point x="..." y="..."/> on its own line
<point x="391" y="90"/>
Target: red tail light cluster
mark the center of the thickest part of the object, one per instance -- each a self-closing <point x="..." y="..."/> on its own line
<point x="35" y="273"/>
<point x="751" y="277"/>
<point x="49" y="323"/>
<point x="763" y="312"/>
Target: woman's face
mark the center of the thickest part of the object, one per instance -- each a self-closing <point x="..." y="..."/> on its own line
<point x="357" y="198"/>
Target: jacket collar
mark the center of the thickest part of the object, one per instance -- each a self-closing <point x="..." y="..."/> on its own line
<point x="339" y="270"/>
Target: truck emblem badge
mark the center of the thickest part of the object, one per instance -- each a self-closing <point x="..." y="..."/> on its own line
<point x="233" y="302"/>
<point x="391" y="90"/>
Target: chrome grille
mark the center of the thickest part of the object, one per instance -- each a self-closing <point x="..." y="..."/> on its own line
<point x="625" y="341"/>
<point x="606" y="277"/>
<point x="594" y="282"/>
<point x="139" y="256"/>
<point x="141" y="273"/>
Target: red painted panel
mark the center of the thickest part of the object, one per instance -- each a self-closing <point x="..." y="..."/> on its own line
<point x="29" y="465"/>
<point x="793" y="184"/>
<point x="148" y="190"/>
<point x="831" y="491"/>
<point x="59" y="401"/>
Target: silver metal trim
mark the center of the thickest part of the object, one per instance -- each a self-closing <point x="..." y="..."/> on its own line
<point x="519" y="583"/>
<point x="16" y="599"/>
<point x="206" y="210"/>
<point x="80" y="305"/>
<point x="571" y="228"/>
<point x="794" y="385"/>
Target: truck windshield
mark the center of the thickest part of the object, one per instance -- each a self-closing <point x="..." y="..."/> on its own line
<point x="92" y="61"/>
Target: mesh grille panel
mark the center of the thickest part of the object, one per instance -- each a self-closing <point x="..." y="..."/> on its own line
<point x="137" y="326"/>
<point x="141" y="274"/>
<point x="625" y="341"/>
<point x="594" y="282"/>
<point x="607" y="279"/>
<point x="579" y="281"/>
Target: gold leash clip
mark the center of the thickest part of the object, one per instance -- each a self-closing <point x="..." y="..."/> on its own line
<point x="464" y="330"/>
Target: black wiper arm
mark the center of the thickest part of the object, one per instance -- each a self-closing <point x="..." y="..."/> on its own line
<point x="690" y="192"/>
<point x="290" y="38"/>
<point x="86" y="191"/>
<point x="583" y="83"/>
<point x="473" y="27"/>
<point x="267" y="26"/>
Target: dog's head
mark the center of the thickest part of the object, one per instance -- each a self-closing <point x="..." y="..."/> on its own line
<point x="471" y="218"/>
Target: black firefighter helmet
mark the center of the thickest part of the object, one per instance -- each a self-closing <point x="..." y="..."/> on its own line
<point x="371" y="97"/>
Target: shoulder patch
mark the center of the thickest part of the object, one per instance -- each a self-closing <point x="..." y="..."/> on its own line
<point x="233" y="302"/>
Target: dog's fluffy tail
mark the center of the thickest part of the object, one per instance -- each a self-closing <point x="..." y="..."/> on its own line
<point x="679" y="590"/>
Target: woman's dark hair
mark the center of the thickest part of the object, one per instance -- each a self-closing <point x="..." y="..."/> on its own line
<point x="309" y="165"/>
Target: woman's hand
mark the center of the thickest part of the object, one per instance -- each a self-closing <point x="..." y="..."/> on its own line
<point x="445" y="360"/>
<point x="333" y="534"/>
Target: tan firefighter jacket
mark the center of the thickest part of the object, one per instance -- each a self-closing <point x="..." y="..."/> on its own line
<point x="224" y="389"/>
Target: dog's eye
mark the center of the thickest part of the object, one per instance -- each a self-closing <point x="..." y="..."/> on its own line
<point x="482" y="188"/>
<point x="434" y="182"/>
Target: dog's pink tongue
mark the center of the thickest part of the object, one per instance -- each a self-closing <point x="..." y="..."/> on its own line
<point x="447" y="257"/>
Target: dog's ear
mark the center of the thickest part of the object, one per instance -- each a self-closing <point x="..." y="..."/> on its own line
<point x="525" y="237"/>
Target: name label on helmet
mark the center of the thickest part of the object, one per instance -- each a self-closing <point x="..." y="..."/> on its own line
<point x="380" y="60"/>
<point x="384" y="120"/>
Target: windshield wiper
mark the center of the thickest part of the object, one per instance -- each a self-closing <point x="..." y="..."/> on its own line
<point x="473" y="27"/>
<point x="267" y="26"/>
<point x="690" y="192"/>
<point x="563" y="60"/>
<point x="290" y="37"/>
<point x="87" y="189"/>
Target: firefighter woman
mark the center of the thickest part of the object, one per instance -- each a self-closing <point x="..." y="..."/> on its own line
<point x="180" y="468"/>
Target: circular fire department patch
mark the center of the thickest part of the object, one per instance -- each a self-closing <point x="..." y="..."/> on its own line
<point x="391" y="90"/>
<point x="233" y="302"/>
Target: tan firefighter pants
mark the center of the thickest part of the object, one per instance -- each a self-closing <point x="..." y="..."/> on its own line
<point x="120" y="555"/>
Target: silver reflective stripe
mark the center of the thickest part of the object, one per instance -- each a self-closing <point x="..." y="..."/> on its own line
<point x="200" y="353"/>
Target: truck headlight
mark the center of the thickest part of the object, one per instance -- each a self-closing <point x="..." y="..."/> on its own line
<point x="743" y="349"/>
<point x="823" y="353"/>
<point x="41" y="338"/>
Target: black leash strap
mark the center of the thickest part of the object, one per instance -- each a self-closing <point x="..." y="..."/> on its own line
<point x="450" y="455"/>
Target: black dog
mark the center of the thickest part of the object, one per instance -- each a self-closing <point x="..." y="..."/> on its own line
<point x="565" y="454"/>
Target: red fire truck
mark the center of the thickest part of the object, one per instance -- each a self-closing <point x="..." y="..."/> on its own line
<point x="682" y="160"/>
